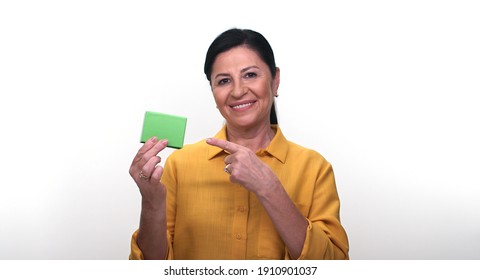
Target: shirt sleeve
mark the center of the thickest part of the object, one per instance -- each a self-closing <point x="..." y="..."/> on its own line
<point x="136" y="252"/>
<point x="325" y="237"/>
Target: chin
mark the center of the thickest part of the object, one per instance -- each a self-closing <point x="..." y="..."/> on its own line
<point x="243" y="123"/>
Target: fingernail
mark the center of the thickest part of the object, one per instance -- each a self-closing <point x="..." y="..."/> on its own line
<point x="153" y="139"/>
<point x="208" y="140"/>
<point x="164" y="142"/>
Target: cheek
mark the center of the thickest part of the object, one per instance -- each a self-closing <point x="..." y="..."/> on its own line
<point x="265" y="90"/>
<point x="218" y="97"/>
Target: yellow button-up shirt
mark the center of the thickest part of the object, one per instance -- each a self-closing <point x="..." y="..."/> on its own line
<point x="208" y="217"/>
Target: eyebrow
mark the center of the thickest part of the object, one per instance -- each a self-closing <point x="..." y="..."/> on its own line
<point x="241" y="71"/>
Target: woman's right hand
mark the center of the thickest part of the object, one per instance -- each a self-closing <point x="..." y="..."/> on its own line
<point x="146" y="172"/>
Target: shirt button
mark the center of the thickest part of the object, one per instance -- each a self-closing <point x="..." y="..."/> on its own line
<point x="238" y="236"/>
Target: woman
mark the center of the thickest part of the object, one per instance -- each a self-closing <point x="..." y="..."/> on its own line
<point x="246" y="193"/>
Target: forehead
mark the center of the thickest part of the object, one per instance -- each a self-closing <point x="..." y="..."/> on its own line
<point x="237" y="58"/>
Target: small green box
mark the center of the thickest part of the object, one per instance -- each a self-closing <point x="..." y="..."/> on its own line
<point x="164" y="126"/>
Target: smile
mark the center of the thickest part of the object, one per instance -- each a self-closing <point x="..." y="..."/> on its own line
<point x="241" y="106"/>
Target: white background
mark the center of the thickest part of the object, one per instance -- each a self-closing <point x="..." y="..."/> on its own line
<point x="386" y="90"/>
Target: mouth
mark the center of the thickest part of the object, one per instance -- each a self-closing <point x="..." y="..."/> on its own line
<point x="242" y="106"/>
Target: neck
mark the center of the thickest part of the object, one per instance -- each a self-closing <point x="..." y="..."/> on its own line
<point x="253" y="138"/>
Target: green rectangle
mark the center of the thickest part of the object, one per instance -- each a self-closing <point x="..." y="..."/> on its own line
<point x="164" y="126"/>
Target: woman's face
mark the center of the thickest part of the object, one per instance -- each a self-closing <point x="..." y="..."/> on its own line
<point x="243" y="87"/>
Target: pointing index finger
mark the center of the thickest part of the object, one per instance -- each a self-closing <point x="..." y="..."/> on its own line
<point x="223" y="144"/>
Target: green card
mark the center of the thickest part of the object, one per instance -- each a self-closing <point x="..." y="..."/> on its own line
<point x="164" y="126"/>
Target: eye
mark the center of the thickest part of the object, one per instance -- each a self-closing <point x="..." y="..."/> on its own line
<point x="223" y="81"/>
<point x="250" y="75"/>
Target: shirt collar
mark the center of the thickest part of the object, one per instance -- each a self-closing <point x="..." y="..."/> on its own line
<point x="277" y="148"/>
<point x="213" y="151"/>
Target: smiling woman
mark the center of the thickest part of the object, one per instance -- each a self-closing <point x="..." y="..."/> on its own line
<point x="244" y="88"/>
<point x="246" y="193"/>
<point x="247" y="38"/>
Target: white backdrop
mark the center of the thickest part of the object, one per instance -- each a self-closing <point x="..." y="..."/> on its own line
<point x="385" y="90"/>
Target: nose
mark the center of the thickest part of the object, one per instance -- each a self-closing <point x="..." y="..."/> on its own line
<point x="238" y="90"/>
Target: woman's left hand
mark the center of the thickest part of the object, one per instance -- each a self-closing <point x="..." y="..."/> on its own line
<point x="244" y="167"/>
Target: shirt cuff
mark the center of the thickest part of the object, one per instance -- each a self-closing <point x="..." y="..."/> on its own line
<point x="318" y="245"/>
<point x="135" y="252"/>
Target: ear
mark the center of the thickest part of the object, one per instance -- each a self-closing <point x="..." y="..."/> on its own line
<point x="276" y="81"/>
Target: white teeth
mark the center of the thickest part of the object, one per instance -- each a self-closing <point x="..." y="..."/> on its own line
<point x="242" y="105"/>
